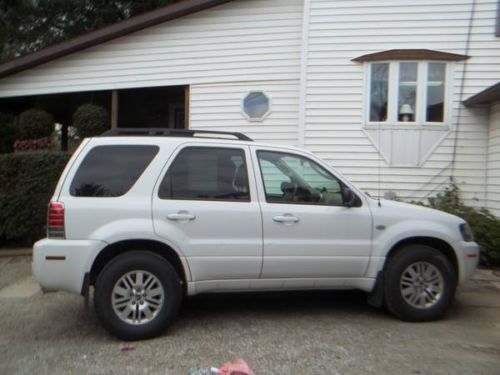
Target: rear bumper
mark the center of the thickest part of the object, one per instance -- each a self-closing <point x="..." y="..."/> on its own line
<point x="62" y="264"/>
<point x="468" y="259"/>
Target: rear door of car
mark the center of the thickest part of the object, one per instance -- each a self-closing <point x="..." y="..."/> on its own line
<point x="205" y="203"/>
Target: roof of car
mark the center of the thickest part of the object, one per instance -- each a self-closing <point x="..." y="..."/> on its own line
<point x="207" y="137"/>
<point x="168" y="132"/>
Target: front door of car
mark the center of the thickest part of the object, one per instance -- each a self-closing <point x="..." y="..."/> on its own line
<point x="315" y="226"/>
<point x="203" y="204"/>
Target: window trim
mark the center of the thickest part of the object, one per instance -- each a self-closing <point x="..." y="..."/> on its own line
<point x="420" y="110"/>
<point x="410" y="54"/>
<point x="256" y="119"/>
<point x="341" y="181"/>
<point x="174" y="157"/>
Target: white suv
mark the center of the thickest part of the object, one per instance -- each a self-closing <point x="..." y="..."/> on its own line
<point x="147" y="216"/>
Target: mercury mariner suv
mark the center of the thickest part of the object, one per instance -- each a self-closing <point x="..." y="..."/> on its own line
<point x="145" y="217"/>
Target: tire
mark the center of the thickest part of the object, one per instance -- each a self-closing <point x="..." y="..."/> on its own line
<point x="142" y="287"/>
<point x="419" y="284"/>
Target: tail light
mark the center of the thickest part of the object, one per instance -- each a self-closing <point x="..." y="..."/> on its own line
<point x="55" y="220"/>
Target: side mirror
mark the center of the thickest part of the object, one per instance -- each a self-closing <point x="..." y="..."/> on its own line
<point x="349" y="198"/>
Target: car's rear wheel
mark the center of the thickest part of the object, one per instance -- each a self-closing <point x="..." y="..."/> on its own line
<point x="137" y="295"/>
<point x="419" y="283"/>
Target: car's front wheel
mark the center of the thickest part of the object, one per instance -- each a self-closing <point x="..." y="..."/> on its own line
<point x="137" y="295"/>
<point x="419" y="283"/>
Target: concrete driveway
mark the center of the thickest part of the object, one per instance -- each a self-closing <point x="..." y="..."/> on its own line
<point x="276" y="333"/>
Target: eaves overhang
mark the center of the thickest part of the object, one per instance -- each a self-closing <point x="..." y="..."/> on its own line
<point x="491" y="94"/>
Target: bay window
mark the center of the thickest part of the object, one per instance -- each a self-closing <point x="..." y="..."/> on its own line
<point x="407" y="92"/>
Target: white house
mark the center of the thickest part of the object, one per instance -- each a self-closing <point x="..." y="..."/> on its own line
<point x="400" y="96"/>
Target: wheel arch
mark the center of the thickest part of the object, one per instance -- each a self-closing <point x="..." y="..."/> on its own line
<point x="121" y="247"/>
<point x="376" y="297"/>
<point x="442" y="246"/>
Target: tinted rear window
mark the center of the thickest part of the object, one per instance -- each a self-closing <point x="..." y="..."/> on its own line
<point x="110" y="171"/>
<point x="207" y="173"/>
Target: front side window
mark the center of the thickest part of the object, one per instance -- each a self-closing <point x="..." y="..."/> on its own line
<point x="292" y="178"/>
<point x="111" y="171"/>
<point x="407" y="92"/>
<point x="207" y="173"/>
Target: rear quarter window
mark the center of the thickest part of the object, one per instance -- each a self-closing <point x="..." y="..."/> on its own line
<point x="111" y="171"/>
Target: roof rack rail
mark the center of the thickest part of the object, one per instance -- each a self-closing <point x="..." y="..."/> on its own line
<point x="166" y="132"/>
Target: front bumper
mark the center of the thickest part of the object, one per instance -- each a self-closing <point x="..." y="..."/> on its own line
<point x="62" y="264"/>
<point x="468" y="259"/>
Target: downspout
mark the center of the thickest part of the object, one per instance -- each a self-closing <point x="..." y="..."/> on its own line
<point x="304" y="58"/>
<point x="461" y="92"/>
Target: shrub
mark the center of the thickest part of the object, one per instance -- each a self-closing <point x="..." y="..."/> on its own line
<point x="28" y="182"/>
<point x="90" y="120"/>
<point x="486" y="227"/>
<point x="34" y="124"/>
<point x="8" y="132"/>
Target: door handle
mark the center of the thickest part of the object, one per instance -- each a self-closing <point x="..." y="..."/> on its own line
<point x="181" y="216"/>
<point x="286" y="218"/>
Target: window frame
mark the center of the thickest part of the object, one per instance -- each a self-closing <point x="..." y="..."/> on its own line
<point x="176" y="154"/>
<point x="265" y="115"/>
<point x="421" y="99"/>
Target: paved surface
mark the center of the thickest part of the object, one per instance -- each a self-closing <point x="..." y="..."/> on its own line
<point x="277" y="333"/>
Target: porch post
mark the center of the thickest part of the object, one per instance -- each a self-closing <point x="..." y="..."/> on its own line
<point x="186" y="106"/>
<point x="64" y="137"/>
<point x="114" y="109"/>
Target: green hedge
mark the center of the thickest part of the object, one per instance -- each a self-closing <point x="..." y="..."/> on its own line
<point x="28" y="180"/>
<point x="8" y="132"/>
<point x="484" y="224"/>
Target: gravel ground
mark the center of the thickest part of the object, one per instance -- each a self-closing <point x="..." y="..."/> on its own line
<point x="276" y="333"/>
<point x="13" y="269"/>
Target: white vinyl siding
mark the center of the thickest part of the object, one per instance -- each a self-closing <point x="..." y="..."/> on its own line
<point x="342" y="30"/>
<point x="493" y="184"/>
<point x="242" y="40"/>
<point x="218" y="107"/>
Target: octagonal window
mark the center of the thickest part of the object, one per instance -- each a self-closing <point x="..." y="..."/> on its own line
<point x="256" y="106"/>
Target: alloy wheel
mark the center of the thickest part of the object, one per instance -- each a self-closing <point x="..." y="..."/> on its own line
<point x="137" y="297"/>
<point x="422" y="285"/>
